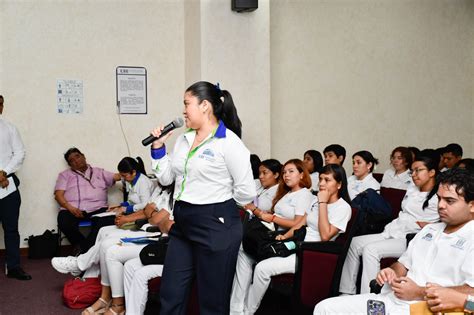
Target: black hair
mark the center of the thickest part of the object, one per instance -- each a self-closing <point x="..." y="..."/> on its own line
<point x="468" y="164"/>
<point x="454" y="148"/>
<point x="273" y="165"/>
<point x="71" y="151"/>
<point x="128" y="165"/>
<point x="430" y="159"/>
<point x="223" y="109"/>
<point x="338" y="149"/>
<point x="368" y="158"/>
<point x="255" y="163"/>
<point x="317" y="159"/>
<point x="339" y="175"/>
<point x="463" y="179"/>
<point x="414" y="151"/>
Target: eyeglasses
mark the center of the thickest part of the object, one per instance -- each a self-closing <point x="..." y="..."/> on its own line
<point x="417" y="171"/>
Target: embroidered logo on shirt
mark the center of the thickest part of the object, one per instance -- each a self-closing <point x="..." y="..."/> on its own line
<point x="459" y="243"/>
<point x="208" y="155"/>
<point x="428" y="237"/>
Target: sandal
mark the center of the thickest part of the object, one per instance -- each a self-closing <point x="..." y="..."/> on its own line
<point x="91" y="311"/>
<point x="111" y="309"/>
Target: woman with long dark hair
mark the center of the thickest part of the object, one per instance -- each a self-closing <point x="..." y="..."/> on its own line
<point x="211" y="169"/>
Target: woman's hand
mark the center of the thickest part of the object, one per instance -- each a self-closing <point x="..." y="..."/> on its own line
<point x="323" y="196"/>
<point x="121" y="220"/>
<point x="267" y="217"/>
<point x="159" y="142"/>
<point x="280" y="237"/>
<point x="250" y="206"/>
<point x="165" y="225"/>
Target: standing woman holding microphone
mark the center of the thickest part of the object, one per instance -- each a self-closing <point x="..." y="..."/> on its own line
<point x="211" y="168"/>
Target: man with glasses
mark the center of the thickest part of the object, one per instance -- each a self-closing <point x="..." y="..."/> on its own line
<point x="81" y="192"/>
<point x="12" y="154"/>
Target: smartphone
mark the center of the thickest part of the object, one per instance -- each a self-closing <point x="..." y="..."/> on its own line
<point x="375" y="307"/>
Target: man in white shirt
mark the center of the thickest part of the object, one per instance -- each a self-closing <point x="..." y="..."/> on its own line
<point x="441" y="253"/>
<point x="12" y="154"/>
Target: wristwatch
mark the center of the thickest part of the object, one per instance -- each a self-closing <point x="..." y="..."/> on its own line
<point x="469" y="305"/>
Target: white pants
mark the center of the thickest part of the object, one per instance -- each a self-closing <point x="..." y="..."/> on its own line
<point x="246" y="296"/>
<point x="136" y="277"/>
<point x="357" y="305"/>
<point x="372" y="248"/>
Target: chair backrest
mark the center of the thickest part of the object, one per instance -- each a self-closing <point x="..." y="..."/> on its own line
<point x="319" y="272"/>
<point x="378" y="176"/>
<point x="394" y="197"/>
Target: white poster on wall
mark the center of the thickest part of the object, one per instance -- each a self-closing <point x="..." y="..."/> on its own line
<point x="70" y="96"/>
<point x="131" y="90"/>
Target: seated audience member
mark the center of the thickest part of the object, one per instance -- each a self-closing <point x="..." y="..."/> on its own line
<point x="440" y="151"/>
<point x="398" y="176"/>
<point x="441" y="299"/>
<point x="269" y="176"/>
<point x="290" y="204"/>
<point x="414" y="152"/>
<point x="313" y="161"/>
<point x="255" y="163"/>
<point x="137" y="185"/>
<point x="363" y="164"/>
<point x="467" y="164"/>
<point x="334" y="154"/>
<point x="452" y="154"/>
<point x="419" y="207"/>
<point x="81" y="192"/>
<point x="441" y="253"/>
<point x="110" y="255"/>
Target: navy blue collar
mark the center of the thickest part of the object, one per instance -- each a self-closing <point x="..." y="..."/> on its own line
<point x="135" y="180"/>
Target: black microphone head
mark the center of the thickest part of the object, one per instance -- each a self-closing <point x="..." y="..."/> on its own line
<point x="178" y="122"/>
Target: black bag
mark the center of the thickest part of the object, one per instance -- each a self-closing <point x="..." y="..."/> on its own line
<point x="375" y="212"/>
<point x="282" y="248"/>
<point x="155" y="253"/>
<point x="255" y="236"/>
<point x="43" y="246"/>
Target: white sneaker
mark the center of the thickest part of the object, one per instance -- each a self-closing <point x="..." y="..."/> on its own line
<point x="66" y="265"/>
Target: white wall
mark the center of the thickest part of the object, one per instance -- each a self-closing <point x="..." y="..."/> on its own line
<point x="371" y="74"/>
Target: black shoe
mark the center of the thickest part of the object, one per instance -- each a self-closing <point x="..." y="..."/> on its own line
<point x="19" y="274"/>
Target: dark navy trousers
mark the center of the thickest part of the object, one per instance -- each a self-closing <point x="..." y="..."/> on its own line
<point x="204" y="243"/>
<point x="9" y="214"/>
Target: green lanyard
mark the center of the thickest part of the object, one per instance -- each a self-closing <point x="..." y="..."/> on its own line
<point x="190" y="155"/>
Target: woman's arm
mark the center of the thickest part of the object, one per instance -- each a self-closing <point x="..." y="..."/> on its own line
<point x="286" y="223"/>
<point x="291" y="231"/>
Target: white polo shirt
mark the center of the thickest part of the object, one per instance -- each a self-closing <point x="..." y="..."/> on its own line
<point x="265" y="197"/>
<point x="355" y="186"/>
<point x="139" y="191"/>
<point x="215" y="171"/>
<point x="339" y="213"/>
<point x="314" y="181"/>
<point x="294" y="203"/>
<point x="412" y="211"/>
<point x="12" y="153"/>
<point x="397" y="181"/>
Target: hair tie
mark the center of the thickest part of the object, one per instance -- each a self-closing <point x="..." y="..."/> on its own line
<point x="218" y="87"/>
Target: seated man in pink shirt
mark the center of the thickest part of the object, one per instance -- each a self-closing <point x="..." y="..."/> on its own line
<point x="81" y="191"/>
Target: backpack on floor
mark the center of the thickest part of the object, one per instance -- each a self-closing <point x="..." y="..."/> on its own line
<point x="81" y="292"/>
<point x="45" y="245"/>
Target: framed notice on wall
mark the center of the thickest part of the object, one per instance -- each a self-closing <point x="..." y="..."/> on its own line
<point x="131" y="90"/>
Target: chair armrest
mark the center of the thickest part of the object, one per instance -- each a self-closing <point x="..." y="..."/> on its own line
<point x="375" y="287"/>
<point x="324" y="247"/>
<point x="409" y="237"/>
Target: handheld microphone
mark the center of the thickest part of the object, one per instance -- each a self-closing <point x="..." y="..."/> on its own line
<point x="177" y="123"/>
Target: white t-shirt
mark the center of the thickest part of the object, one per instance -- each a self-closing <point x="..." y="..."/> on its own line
<point x="355" y="186"/>
<point x="392" y="180"/>
<point x="294" y="203"/>
<point x="314" y="181"/>
<point x="412" y="211"/>
<point x="265" y="197"/>
<point x="339" y="213"/>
